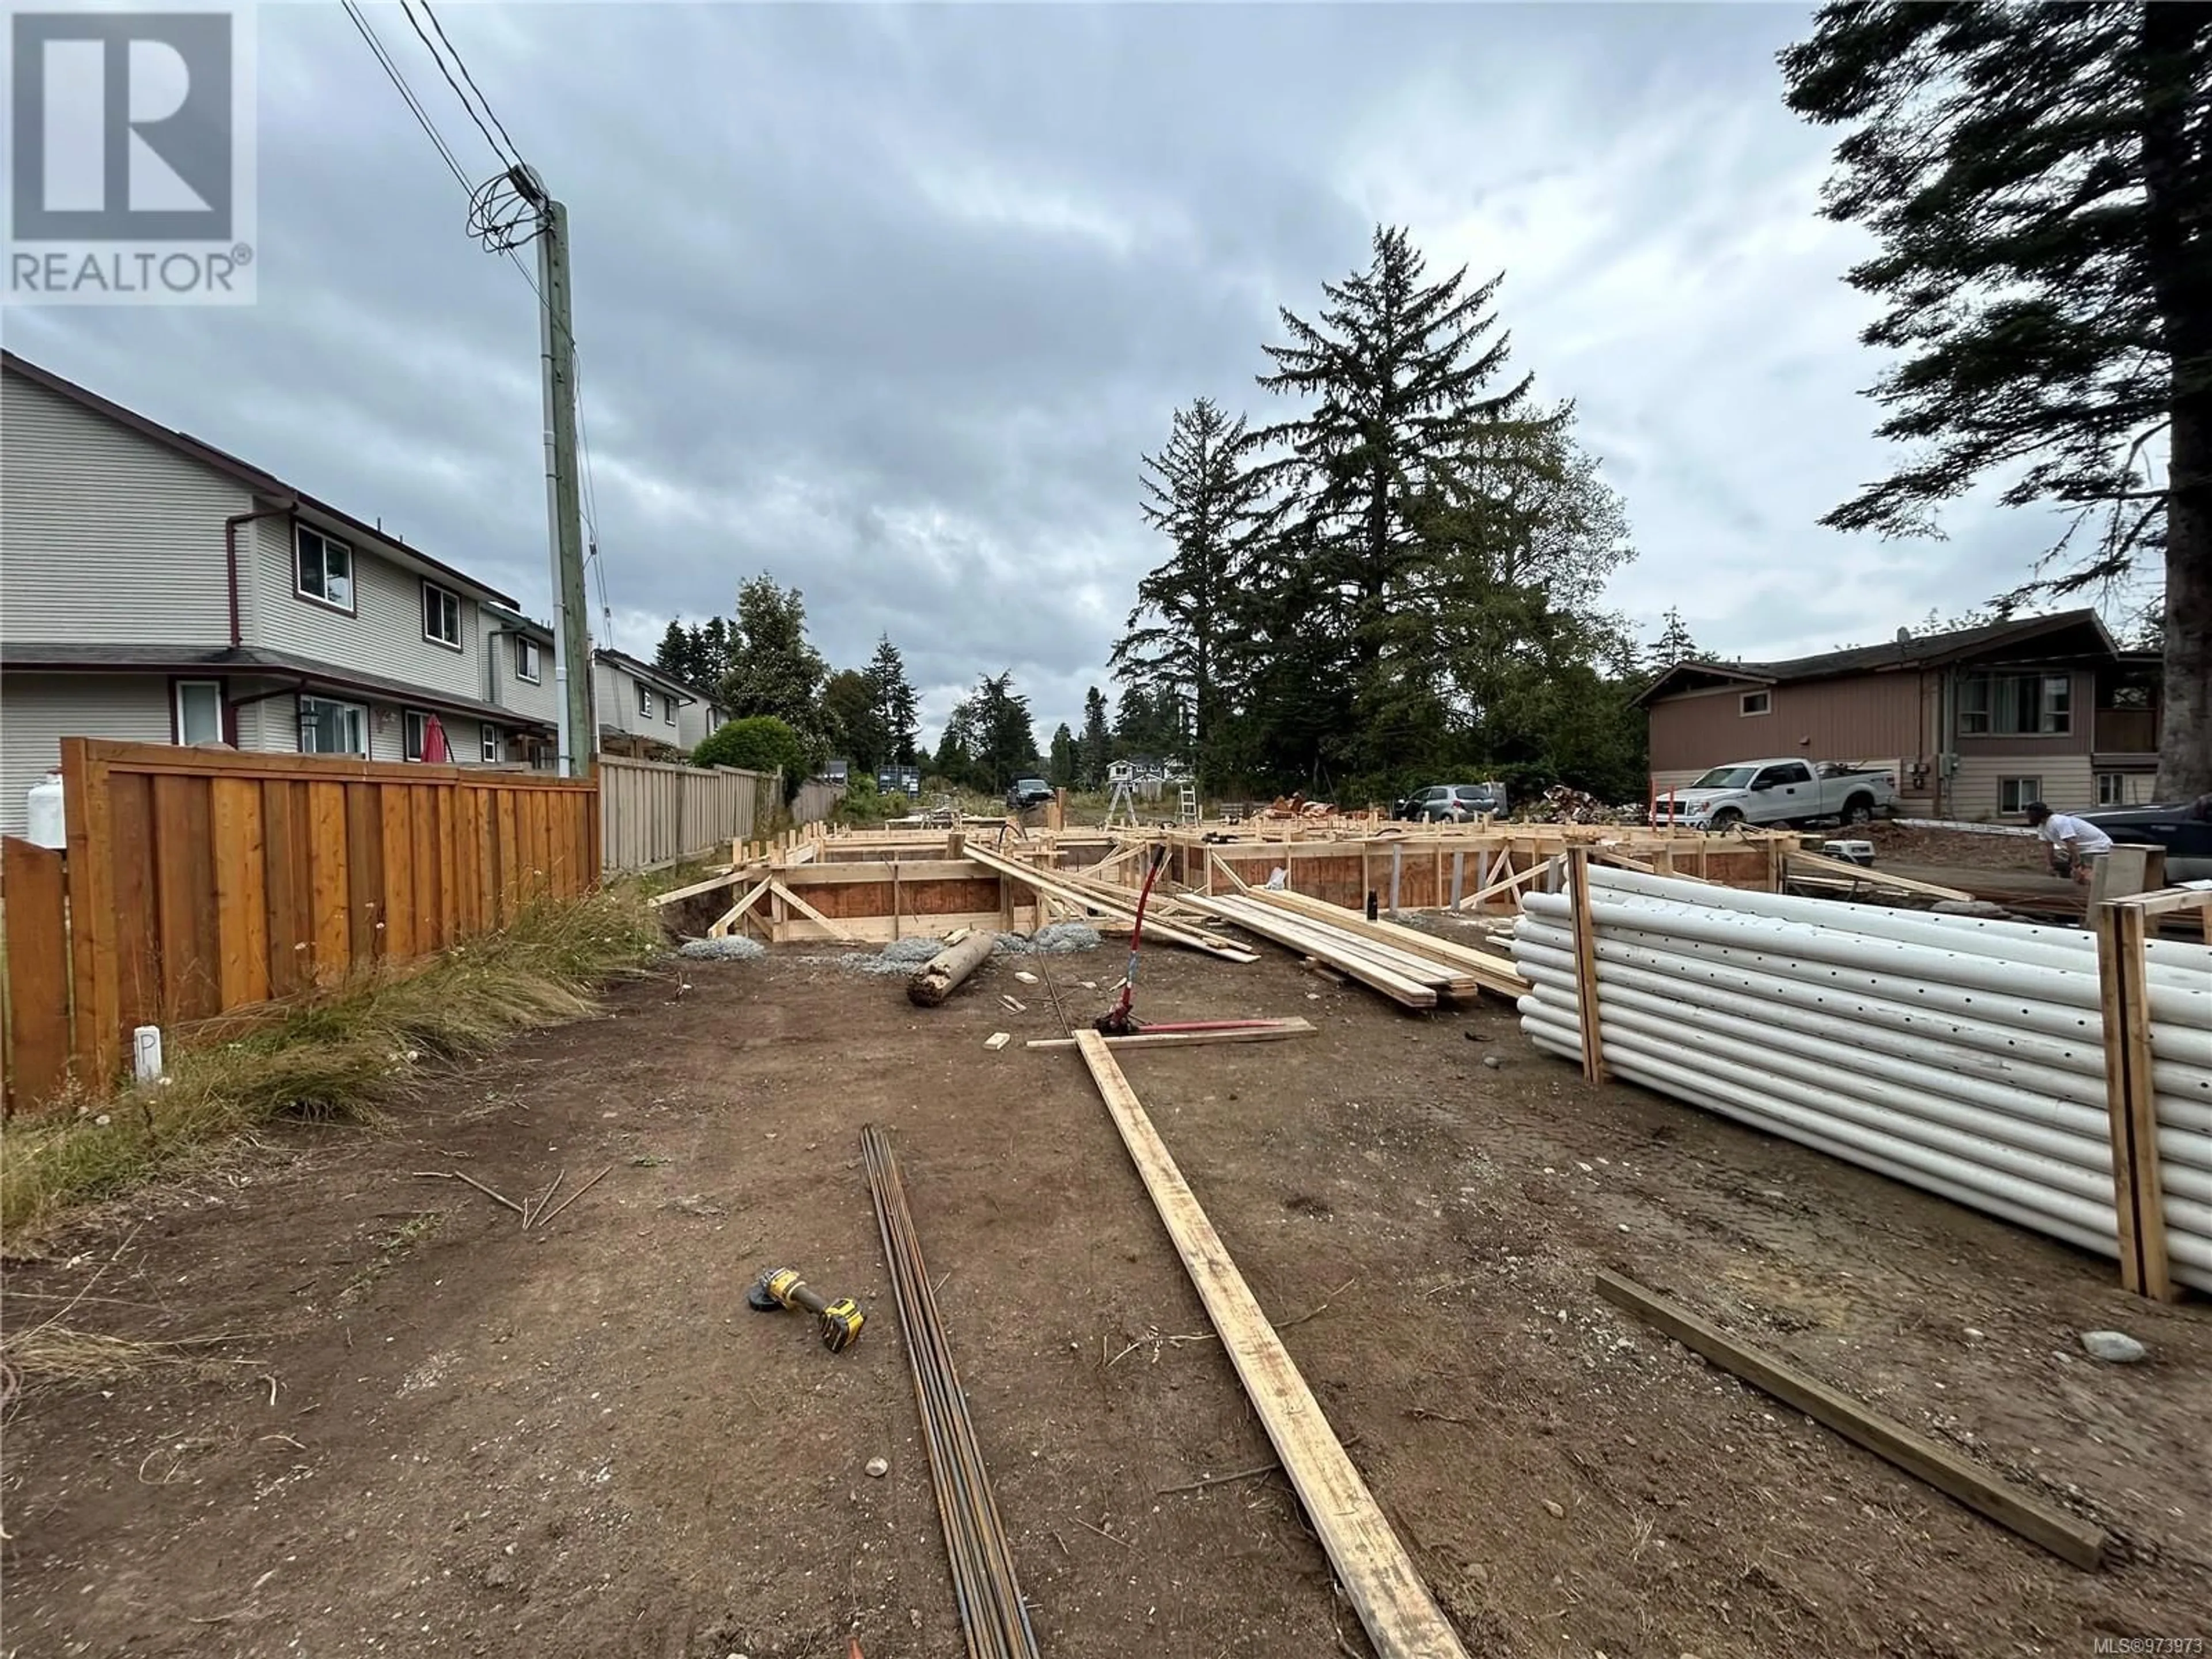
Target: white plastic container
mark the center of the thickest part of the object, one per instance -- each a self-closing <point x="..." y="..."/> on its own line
<point x="44" y="801"/>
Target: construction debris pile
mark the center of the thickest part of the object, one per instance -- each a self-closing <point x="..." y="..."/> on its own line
<point x="1296" y="806"/>
<point x="1560" y="805"/>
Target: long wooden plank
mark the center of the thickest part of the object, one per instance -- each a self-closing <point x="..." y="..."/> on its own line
<point x="1496" y="972"/>
<point x="2070" y="1539"/>
<point x="1444" y="977"/>
<point x="133" y="923"/>
<point x="730" y="918"/>
<point x="1820" y="864"/>
<point x="38" y="969"/>
<point x="1401" y="1617"/>
<point x="97" y="1033"/>
<point x="183" y="863"/>
<point x="288" y="893"/>
<point x="423" y="865"/>
<point x="1048" y="882"/>
<point x="364" y="845"/>
<point x="1273" y="1030"/>
<point x="2138" y="1188"/>
<point x="1363" y="962"/>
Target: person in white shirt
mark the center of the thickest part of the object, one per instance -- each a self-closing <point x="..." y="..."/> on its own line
<point x="2070" y="842"/>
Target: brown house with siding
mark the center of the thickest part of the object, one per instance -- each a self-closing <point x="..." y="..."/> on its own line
<point x="1977" y="722"/>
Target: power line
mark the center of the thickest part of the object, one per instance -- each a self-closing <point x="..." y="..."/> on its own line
<point x="407" y="94"/>
<point x="512" y="150"/>
<point x="407" y="12"/>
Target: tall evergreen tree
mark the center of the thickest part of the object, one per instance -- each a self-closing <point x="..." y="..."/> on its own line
<point x="1097" y="741"/>
<point x="2039" y="181"/>
<point x="673" y="656"/>
<point x="897" y="709"/>
<point x="1004" y="742"/>
<point x="1674" y="643"/>
<point x="1206" y="499"/>
<point x="774" y="669"/>
<point x="1399" y="374"/>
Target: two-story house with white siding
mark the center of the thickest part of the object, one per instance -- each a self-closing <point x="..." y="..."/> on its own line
<point x="156" y="589"/>
<point x="518" y="676"/>
<point x="699" y="719"/>
<point x="639" y="707"/>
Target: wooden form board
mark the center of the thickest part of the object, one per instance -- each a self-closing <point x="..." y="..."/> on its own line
<point x="1586" y="1010"/>
<point x="2070" y="1539"/>
<point x="1406" y="981"/>
<point x="1273" y="1030"/>
<point x="1401" y="1619"/>
<point x="201" y="882"/>
<point x="1495" y="972"/>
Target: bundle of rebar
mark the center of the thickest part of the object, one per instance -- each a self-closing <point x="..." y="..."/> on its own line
<point x="992" y="1614"/>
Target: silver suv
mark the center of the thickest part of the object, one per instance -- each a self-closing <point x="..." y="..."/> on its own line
<point x="1453" y="802"/>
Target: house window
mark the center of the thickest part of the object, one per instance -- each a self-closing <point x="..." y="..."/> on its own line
<point x="527" y="665"/>
<point x="494" y="745"/>
<point x="199" y="711"/>
<point x="2016" y="705"/>
<point x="2013" y="794"/>
<point x="1756" y="702"/>
<point x="668" y="710"/>
<point x="645" y="702"/>
<point x="323" y="570"/>
<point x="417" y="729"/>
<point x="2111" y="789"/>
<point x="332" y="729"/>
<point x="441" y="616"/>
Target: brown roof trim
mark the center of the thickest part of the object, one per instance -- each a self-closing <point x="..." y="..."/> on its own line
<point x="244" y="472"/>
<point x="645" y="671"/>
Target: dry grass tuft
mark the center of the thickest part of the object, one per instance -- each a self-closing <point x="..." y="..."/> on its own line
<point x="55" y="1353"/>
<point x="332" y="1059"/>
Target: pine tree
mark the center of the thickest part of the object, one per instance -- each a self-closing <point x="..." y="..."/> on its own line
<point x="674" y="654"/>
<point x="1399" y="374"/>
<point x="1205" y="498"/>
<point x="897" y="709"/>
<point x="2039" y="181"/>
<point x="774" y="669"/>
<point x="1004" y="742"/>
<point x="1674" y="643"/>
<point x="1097" y="741"/>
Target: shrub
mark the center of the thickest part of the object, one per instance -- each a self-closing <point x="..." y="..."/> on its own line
<point x="760" y="743"/>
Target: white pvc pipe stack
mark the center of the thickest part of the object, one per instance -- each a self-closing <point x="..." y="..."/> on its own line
<point x="1962" y="1056"/>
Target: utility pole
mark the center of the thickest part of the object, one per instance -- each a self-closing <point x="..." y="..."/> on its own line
<point x="572" y="627"/>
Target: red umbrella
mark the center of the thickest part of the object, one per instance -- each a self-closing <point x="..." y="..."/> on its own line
<point x="435" y="753"/>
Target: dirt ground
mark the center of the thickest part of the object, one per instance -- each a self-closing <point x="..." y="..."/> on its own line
<point x="441" y="1435"/>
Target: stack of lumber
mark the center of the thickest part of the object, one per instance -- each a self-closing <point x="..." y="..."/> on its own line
<point x="1080" y="894"/>
<point x="1816" y="872"/>
<point x="1405" y="964"/>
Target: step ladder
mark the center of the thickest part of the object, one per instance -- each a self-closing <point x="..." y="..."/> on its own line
<point x="1188" y="806"/>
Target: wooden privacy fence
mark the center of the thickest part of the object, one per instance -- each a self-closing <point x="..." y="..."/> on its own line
<point x="815" y="801"/>
<point x="201" y="881"/>
<point x="655" y="812"/>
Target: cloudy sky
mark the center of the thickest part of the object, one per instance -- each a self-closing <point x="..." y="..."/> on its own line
<point x="889" y="301"/>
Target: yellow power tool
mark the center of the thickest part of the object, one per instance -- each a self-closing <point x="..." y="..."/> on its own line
<point x="839" y="1321"/>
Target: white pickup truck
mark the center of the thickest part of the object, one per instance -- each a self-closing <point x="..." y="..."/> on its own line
<point x="1776" y="793"/>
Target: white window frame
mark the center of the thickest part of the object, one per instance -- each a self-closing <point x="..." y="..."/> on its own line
<point x="177" y="695"/>
<point x="667" y="710"/>
<point x="359" y="713"/>
<point x="414" y="733"/>
<point x="446" y="596"/>
<point x="644" y="701"/>
<point x="2020" y="795"/>
<point x="2111" y="789"/>
<point x="1763" y="699"/>
<point x="491" y="744"/>
<point x="326" y="545"/>
<point x="529" y="662"/>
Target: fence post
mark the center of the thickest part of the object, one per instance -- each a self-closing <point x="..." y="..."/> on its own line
<point x="1586" y="965"/>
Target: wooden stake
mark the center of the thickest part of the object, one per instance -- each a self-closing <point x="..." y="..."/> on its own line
<point x="2131" y="1107"/>
<point x="1586" y="1008"/>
